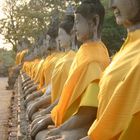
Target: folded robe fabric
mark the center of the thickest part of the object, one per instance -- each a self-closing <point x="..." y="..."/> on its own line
<point x="20" y="56"/>
<point x="132" y="132"/>
<point x="32" y="66"/>
<point x="41" y="76"/>
<point x="90" y="95"/>
<point x="48" y="69"/>
<point x="119" y="96"/>
<point x="90" y="60"/>
<point x="17" y="58"/>
<point x="60" y="74"/>
<point x="23" y="53"/>
<point x="37" y="69"/>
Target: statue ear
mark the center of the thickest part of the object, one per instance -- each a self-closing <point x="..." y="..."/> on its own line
<point x="96" y="22"/>
<point x="93" y="24"/>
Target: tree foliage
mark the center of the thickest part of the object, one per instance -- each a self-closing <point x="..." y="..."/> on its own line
<point x="112" y="35"/>
<point x="29" y="20"/>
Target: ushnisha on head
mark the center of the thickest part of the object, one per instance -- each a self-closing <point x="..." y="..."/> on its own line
<point x="52" y="35"/>
<point x="127" y="12"/>
<point x="89" y="17"/>
<point x="66" y="28"/>
<point x="65" y="31"/>
<point x="23" y="44"/>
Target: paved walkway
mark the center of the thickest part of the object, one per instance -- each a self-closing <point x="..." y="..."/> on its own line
<point x="5" y="97"/>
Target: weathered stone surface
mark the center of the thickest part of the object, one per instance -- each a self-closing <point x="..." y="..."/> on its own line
<point x="12" y="76"/>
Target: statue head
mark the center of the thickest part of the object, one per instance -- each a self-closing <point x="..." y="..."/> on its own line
<point x="52" y="35"/>
<point x="19" y="48"/>
<point x="43" y="48"/>
<point x="89" y="17"/>
<point x="65" y="31"/>
<point x="35" y="52"/>
<point x="46" y="41"/>
<point x="127" y="12"/>
<point x="40" y="40"/>
<point x="23" y="43"/>
<point x="45" y="45"/>
<point x="30" y="55"/>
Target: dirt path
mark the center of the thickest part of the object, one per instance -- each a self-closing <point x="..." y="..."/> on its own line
<point x="5" y="97"/>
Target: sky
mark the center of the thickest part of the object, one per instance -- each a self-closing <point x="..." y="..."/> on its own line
<point x="2" y="41"/>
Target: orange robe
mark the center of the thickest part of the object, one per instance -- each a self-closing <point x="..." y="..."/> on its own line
<point x="48" y="69"/>
<point x="88" y="65"/>
<point x="22" y="54"/>
<point x="60" y="74"/>
<point x="119" y="97"/>
<point x="17" y="58"/>
<point x="41" y="77"/>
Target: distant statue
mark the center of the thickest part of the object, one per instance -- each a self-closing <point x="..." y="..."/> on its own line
<point x="22" y="51"/>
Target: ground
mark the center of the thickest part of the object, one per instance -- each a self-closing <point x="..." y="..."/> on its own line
<point x="5" y="98"/>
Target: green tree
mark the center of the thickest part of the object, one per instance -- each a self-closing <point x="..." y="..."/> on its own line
<point x="28" y="20"/>
<point x="112" y="34"/>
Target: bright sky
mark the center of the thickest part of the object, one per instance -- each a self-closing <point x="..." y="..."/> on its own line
<point x="2" y="42"/>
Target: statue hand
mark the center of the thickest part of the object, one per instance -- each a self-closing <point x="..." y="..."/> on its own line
<point x="29" y="98"/>
<point x="34" y="122"/>
<point x="54" y="131"/>
<point x="42" y="124"/>
<point x="31" y="110"/>
<point x="57" y="137"/>
<point x="36" y="115"/>
<point x="85" y="138"/>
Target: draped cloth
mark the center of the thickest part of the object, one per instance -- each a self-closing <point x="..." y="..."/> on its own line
<point x="17" y="58"/>
<point x="119" y="96"/>
<point x="88" y="65"/>
<point x="37" y="70"/>
<point x="60" y="74"/>
<point x="41" y="73"/>
<point x="47" y="69"/>
<point x="20" y="56"/>
<point x="29" y="67"/>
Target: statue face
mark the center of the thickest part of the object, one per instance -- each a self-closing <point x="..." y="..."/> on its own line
<point x="64" y="38"/>
<point x="42" y="50"/>
<point x="35" y="51"/>
<point x="52" y="44"/>
<point x="125" y="11"/>
<point x="18" y="48"/>
<point x="47" y="40"/>
<point x="24" y="45"/>
<point x="45" y="46"/>
<point x="57" y="43"/>
<point x="81" y="27"/>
